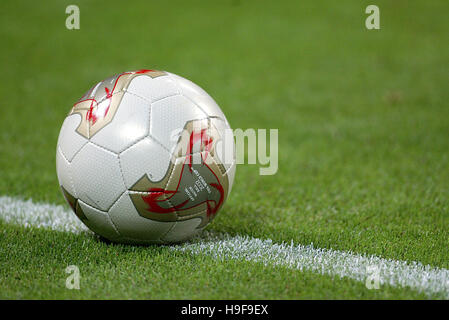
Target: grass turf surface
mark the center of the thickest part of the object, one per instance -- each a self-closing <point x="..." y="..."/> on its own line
<point x="363" y="137"/>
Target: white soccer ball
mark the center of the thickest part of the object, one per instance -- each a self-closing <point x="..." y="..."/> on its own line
<point x="145" y="157"/>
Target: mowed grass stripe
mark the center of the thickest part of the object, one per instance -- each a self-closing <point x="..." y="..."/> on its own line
<point x="414" y="275"/>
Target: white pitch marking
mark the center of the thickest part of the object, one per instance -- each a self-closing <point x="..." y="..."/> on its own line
<point x="41" y="215"/>
<point x="414" y="275"/>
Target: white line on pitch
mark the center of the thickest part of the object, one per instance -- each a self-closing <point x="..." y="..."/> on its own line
<point x="414" y="275"/>
<point x="41" y="215"/>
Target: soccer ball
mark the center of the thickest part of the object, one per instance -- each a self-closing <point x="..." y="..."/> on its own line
<point x="145" y="157"/>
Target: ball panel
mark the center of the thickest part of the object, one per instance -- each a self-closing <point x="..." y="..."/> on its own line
<point x="183" y="230"/>
<point x="130" y="123"/>
<point x="169" y="116"/>
<point x="231" y="174"/>
<point x="225" y="147"/>
<point x="64" y="173"/>
<point x="98" y="221"/>
<point x="145" y="157"/>
<point x="69" y="140"/>
<point x="98" y="178"/>
<point x="133" y="226"/>
<point x="198" y="96"/>
<point x="153" y="89"/>
<point x="133" y="241"/>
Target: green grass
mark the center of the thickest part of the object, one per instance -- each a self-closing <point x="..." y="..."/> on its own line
<point x="118" y="271"/>
<point x="363" y="137"/>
